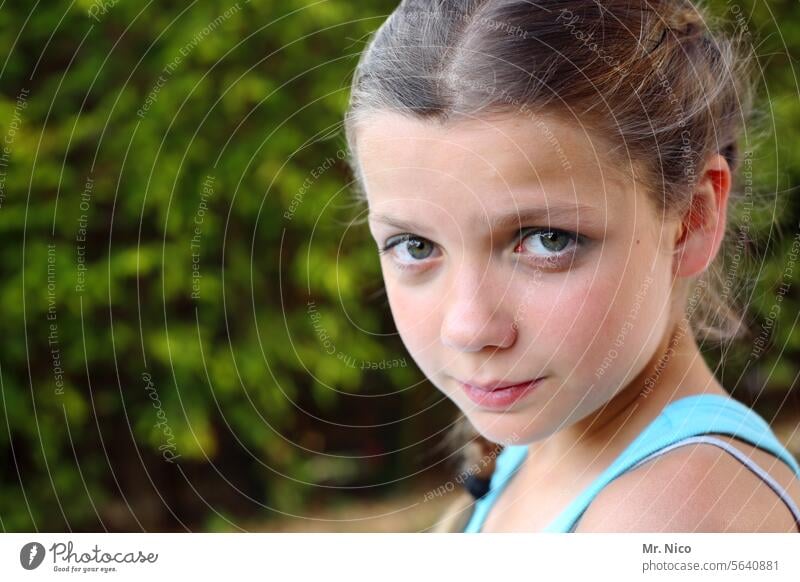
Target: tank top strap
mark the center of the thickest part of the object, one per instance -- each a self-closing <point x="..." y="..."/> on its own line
<point x="754" y="467"/>
<point x="686" y="417"/>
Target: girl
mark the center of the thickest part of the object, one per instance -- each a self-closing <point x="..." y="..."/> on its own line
<point x="548" y="185"/>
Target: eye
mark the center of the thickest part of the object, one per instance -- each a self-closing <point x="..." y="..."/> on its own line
<point x="407" y="248"/>
<point x="547" y="242"/>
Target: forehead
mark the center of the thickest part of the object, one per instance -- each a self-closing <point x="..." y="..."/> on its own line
<point x="498" y="162"/>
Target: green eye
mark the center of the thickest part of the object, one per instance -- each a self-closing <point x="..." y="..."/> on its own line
<point x="546" y="241"/>
<point x="409" y="248"/>
<point x="419" y="248"/>
<point x="555" y="241"/>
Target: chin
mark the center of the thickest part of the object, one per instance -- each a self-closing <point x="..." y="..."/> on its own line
<point x="500" y="431"/>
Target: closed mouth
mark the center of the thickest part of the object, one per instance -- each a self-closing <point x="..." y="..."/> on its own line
<point x="494" y="386"/>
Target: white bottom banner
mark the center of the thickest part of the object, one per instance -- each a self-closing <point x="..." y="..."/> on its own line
<point x="379" y="556"/>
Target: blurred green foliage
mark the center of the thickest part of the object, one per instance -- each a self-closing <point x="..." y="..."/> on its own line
<point x="186" y="312"/>
<point x="157" y="149"/>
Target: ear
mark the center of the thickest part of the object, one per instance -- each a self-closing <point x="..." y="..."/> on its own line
<point x="703" y="226"/>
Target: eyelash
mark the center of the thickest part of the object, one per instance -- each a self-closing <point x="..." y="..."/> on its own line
<point x="555" y="261"/>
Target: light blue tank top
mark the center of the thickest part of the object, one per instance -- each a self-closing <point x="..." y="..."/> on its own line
<point x="682" y="421"/>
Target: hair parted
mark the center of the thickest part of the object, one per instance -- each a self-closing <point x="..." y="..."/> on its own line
<point x="653" y="78"/>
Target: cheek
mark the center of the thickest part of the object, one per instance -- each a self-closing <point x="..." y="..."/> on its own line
<point x="591" y="318"/>
<point x="562" y="317"/>
<point x="583" y="317"/>
<point x="637" y="307"/>
<point x="415" y="316"/>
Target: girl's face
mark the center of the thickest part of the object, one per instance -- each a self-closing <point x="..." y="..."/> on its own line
<point x="512" y="251"/>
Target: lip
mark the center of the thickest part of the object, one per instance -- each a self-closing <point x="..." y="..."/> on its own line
<point x="498" y="395"/>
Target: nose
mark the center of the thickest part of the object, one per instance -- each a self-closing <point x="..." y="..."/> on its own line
<point x="474" y="316"/>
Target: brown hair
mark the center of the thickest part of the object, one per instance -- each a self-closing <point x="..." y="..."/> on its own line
<point x="648" y="75"/>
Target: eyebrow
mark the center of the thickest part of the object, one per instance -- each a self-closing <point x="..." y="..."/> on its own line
<point x="518" y="217"/>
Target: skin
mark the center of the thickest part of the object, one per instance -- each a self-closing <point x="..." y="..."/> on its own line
<point x="511" y="303"/>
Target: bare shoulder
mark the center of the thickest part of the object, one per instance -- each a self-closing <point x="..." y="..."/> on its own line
<point x="696" y="488"/>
